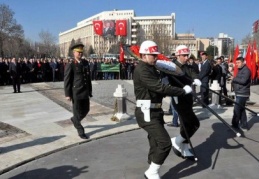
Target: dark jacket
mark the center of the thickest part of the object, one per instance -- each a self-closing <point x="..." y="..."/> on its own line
<point x="241" y="83"/>
<point x="187" y="79"/>
<point x="205" y="72"/>
<point x="147" y="84"/>
<point x="77" y="80"/>
<point x="195" y="67"/>
<point x="15" y="70"/>
<point x="216" y="73"/>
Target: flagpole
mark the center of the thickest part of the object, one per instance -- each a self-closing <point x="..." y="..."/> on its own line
<point x="99" y="46"/>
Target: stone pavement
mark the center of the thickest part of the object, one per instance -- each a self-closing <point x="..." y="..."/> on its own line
<point x="42" y="116"/>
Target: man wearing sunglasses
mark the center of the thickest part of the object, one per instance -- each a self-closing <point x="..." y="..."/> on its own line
<point x="184" y="104"/>
<point x="149" y="92"/>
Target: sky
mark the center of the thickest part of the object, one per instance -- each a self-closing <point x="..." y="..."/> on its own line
<point x="204" y="18"/>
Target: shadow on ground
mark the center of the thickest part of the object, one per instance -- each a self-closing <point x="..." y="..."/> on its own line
<point x="40" y="141"/>
<point x="62" y="172"/>
<point x="216" y="141"/>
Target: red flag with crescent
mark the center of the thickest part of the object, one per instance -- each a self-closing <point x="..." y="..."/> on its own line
<point x="121" y="27"/>
<point x="98" y="27"/>
<point x="122" y="60"/>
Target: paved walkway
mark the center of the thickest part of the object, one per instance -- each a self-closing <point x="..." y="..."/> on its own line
<point x="42" y="116"/>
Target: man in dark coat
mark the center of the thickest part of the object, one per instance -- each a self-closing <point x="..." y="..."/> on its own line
<point x="204" y="78"/>
<point x="241" y="84"/>
<point x="78" y="87"/>
<point x="15" y="71"/>
<point x="149" y="92"/>
<point x="184" y="104"/>
<point x="216" y="73"/>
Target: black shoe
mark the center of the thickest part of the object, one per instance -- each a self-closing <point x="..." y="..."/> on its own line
<point x="173" y="125"/>
<point x="14" y="92"/>
<point x="19" y="92"/>
<point x="235" y="126"/>
<point x="83" y="136"/>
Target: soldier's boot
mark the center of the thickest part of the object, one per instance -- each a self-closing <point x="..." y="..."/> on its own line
<point x="186" y="153"/>
<point x="152" y="171"/>
<point x="177" y="144"/>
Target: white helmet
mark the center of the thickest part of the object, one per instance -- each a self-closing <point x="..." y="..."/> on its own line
<point x="181" y="50"/>
<point x="148" y="47"/>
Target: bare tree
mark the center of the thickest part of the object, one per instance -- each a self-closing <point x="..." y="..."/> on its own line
<point x="247" y="39"/>
<point x="256" y="38"/>
<point x="9" y="29"/>
<point x="159" y="33"/>
<point x="48" y="45"/>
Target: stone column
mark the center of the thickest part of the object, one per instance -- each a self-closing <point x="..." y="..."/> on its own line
<point x="215" y="97"/>
<point x="120" y="94"/>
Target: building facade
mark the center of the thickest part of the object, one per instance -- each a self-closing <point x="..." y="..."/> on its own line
<point x="138" y="29"/>
<point x="224" y="43"/>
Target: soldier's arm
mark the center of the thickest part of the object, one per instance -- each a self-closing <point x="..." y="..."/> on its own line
<point x="153" y="83"/>
<point x="90" y="83"/>
<point x="68" y="80"/>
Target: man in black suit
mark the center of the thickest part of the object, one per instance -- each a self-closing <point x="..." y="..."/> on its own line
<point x="78" y="87"/>
<point x="15" y="71"/>
<point x="108" y="29"/>
<point x="204" y="77"/>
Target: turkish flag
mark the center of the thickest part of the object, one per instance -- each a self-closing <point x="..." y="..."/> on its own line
<point x="98" y="27"/>
<point x="121" y="27"/>
<point x="248" y="58"/>
<point x="122" y="60"/>
<point x="254" y="61"/>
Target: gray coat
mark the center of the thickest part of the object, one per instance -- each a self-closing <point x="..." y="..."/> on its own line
<point x="241" y="83"/>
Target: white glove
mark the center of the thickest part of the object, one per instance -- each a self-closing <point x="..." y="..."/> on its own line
<point x="187" y="89"/>
<point x="196" y="82"/>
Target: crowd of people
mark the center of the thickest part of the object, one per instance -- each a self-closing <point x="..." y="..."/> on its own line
<point x="150" y="87"/>
<point x="52" y="69"/>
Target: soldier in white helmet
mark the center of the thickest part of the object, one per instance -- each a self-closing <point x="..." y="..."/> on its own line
<point x="149" y="92"/>
<point x="184" y="104"/>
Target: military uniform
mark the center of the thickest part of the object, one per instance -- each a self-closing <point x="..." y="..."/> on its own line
<point x="185" y="103"/>
<point x="78" y="86"/>
<point x="148" y="86"/>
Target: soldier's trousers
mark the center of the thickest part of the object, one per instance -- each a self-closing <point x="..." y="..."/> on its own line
<point x="80" y="110"/>
<point x="159" y="139"/>
<point x="189" y="120"/>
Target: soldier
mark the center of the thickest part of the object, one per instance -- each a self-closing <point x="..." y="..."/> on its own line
<point x="78" y="87"/>
<point x="149" y="92"/>
<point x="184" y="104"/>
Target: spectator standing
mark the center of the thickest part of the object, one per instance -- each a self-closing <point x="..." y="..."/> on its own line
<point x="15" y="70"/>
<point x="54" y="67"/>
<point x="241" y="84"/>
<point x="216" y="73"/>
<point x="204" y="78"/>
